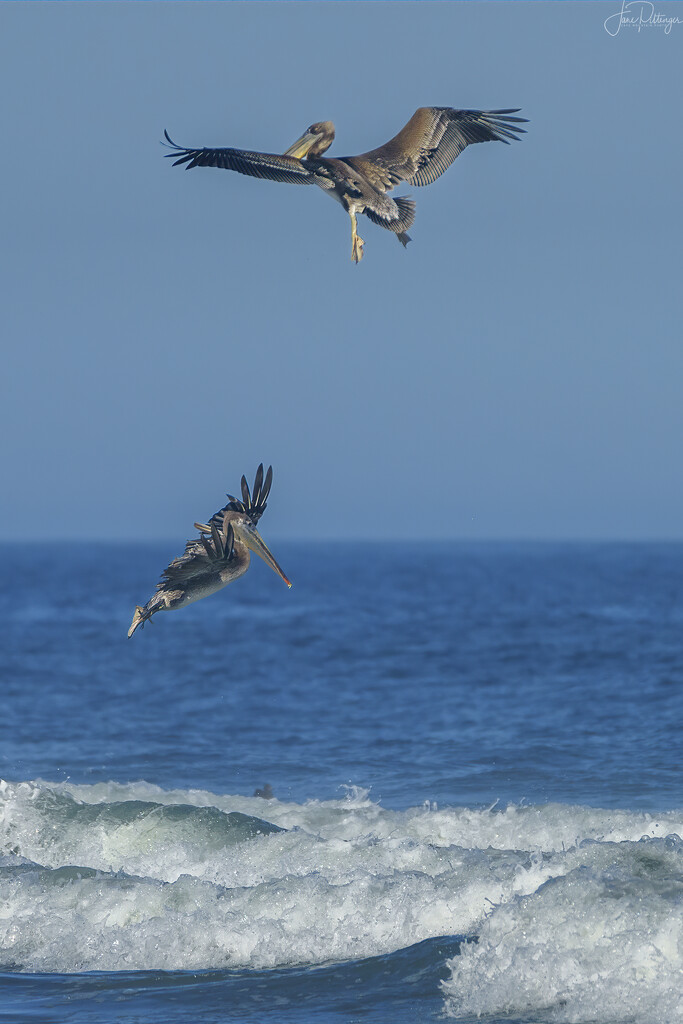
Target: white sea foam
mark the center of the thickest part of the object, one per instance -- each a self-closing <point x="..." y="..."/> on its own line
<point x="603" y="942"/>
<point x="577" y="911"/>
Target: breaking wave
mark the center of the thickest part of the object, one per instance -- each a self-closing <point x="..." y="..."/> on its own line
<point x="568" y="911"/>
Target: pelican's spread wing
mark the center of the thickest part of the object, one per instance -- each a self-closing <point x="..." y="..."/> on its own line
<point x="435" y="136"/>
<point x="274" y="166"/>
<point x="203" y="556"/>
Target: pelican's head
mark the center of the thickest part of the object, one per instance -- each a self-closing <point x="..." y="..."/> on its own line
<point x="314" y="141"/>
<point x="245" y="531"/>
<point x="244" y="515"/>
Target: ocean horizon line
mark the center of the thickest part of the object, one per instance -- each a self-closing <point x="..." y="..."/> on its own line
<point x="458" y="540"/>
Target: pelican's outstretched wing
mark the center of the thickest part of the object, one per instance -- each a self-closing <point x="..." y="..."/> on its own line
<point x="203" y="556"/>
<point x="435" y="136"/>
<point x="274" y="166"/>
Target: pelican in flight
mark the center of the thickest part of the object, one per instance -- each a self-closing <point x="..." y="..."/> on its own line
<point x="418" y="155"/>
<point x="219" y="556"/>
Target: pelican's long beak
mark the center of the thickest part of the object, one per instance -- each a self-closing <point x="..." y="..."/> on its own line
<point x="300" y="148"/>
<point x="253" y="540"/>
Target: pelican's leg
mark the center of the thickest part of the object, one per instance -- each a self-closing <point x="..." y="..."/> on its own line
<point x="357" y="242"/>
<point x="139" y="619"/>
<point x="144" y="614"/>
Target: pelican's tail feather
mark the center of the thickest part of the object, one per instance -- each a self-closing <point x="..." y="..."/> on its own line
<point x="398" y="224"/>
<point x="406" y="208"/>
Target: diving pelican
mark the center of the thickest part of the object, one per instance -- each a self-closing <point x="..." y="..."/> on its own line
<point x="219" y="556"/>
<point x="419" y="154"/>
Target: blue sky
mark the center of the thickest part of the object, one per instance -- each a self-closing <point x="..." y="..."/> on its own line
<point x="516" y="372"/>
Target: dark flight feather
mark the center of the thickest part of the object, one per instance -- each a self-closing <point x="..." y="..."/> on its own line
<point x="253" y="503"/>
<point x="273" y="166"/>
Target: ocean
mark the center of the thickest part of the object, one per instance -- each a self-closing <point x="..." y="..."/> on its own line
<point x="475" y="752"/>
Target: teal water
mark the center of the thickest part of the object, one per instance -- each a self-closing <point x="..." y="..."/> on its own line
<point x="475" y="755"/>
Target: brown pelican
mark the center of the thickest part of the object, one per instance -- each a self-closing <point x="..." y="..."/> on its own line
<point x="217" y="557"/>
<point x="419" y="154"/>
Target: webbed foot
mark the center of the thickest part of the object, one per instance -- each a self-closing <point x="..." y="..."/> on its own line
<point x="139" y="619"/>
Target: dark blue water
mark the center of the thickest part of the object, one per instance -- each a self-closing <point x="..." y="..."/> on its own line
<point x="432" y="681"/>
